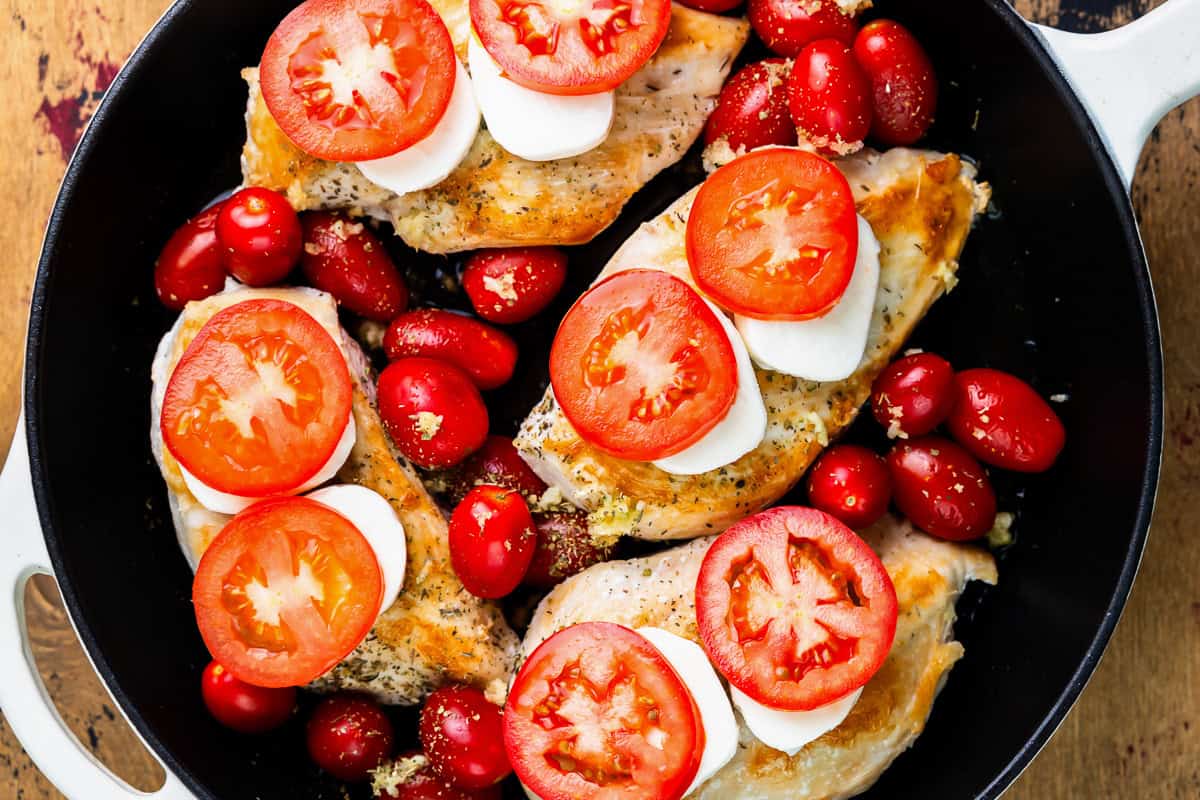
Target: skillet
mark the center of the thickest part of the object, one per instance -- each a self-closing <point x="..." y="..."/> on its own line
<point x="1055" y="288"/>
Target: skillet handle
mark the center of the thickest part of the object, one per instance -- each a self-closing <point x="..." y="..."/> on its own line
<point x="1129" y="78"/>
<point x="26" y="703"/>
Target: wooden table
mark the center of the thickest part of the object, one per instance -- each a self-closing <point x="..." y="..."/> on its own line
<point x="1135" y="733"/>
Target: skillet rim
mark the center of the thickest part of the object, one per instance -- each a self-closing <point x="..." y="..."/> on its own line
<point x="1119" y="196"/>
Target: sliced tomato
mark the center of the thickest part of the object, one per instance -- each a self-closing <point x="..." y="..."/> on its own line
<point x="596" y="712"/>
<point x="351" y="80"/>
<point x="794" y="608"/>
<point x="259" y="400"/>
<point x="571" y="46"/>
<point x="286" y="590"/>
<point x="773" y="235"/>
<point x="642" y="367"/>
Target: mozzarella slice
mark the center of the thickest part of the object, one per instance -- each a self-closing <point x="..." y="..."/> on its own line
<point x="827" y="348"/>
<point x="225" y="503"/>
<point x="789" y="731"/>
<point x="429" y="161"/>
<point x="535" y="125"/>
<point x="376" y="520"/>
<point x="744" y="425"/>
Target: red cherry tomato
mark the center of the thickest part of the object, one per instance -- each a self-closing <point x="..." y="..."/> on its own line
<point x="345" y="259"/>
<point x="463" y="737"/>
<point x="420" y="782"/>
<point x="261" y="235"/>
<point x="829" y="96"/>
<point x="852" y="484"/>
<point x="752" y="110"/>
<point x="486" y="354"/>
<point x="510" y="285"/>
<point x="491" y="540"/>
<point x="712" y="6"/>
<point x="913" y="395"/>
<point x="1004" y="422"/>
<point x="191" y="265"/>
<point x="904" y="86"/>
<point x="348" y="736"/>
<point x="565" y="547"/>
<point x="788" y="25"/>
<point x="432" y="411"/>
<point x="496" y="463"/>
<point x="242" y="706"/>
<point x="941" y="488"/>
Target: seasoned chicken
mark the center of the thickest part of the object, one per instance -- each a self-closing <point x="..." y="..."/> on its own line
<point x="920" y="206"/>
<point x="436" y="631"/>
<point x="494" y="199"/>
<point x="929" y="575"/>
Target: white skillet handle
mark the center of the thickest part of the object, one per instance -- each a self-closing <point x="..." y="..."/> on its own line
<point x="27" y="705"/>
<point x="1132" y="76"/>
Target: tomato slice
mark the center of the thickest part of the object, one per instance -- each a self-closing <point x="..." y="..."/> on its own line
<point x="259" y="400"/>
<point x="571" y="46"/>
<point x="794" y="608"/>
<point x="642" y="367"/>
<point x="596" y="712"/>
<point x="286" y="590"/>
<point x="352" y="80"/>
<point x="773" y="235"/>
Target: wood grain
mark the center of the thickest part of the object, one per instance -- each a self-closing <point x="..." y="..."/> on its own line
<point x="1135" y="732"/>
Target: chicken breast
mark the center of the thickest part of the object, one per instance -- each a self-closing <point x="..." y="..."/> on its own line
<point x="929" y="574"/>
<point x="494" y="199"/>
<point x="920" y="206"/>
<point x="436" y="631"/>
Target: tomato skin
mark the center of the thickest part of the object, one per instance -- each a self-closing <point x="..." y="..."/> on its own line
<point x="348" y="736"/>
<point x="491" y="541"/>
<point x="788" y="25"/>
<point x="511" y="285"/>
<point x="497" y="463"/>
<point x="904" y="85"/>
<point x="242" y="706"/>
<point x="432" y="411"/>
<point x="345" y="259"/>
<point x="261" y="235"/>
<point x="913" y="395"/>
<point x="463" y="737"/>
<point x="752" y="110"/>
<point x="850" y="483"/>
<point x="488" y="355"/>
<point x="191" y="265"/>
<point x="426" y="784"/>
<point x="565" y="547"/>
<point x="1003" y="421"/>
<point x="829" y="96"/>
<point x="942" y="489"/>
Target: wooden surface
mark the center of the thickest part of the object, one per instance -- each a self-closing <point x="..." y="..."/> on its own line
<point x="1136" y="731"/>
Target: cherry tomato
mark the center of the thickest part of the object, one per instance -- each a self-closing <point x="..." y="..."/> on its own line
<point x="773" y="235"/>
<point x="486" y="354"/>
<point x="242" y="706"/>
<point x="417" y="780"/>
<point x="565" y="547"/>
<point x="942" y="489"/>
<point x="345" y="259"/>
<point x="348" y="736"/>
<point x="345" y="90"/>
<point x="712" y="6"/>
<point x="1004" y="422"/>
<point x="261" y="235"/>
<point x="491" y="540"/>
<point x="829" y="96"/>
<point x="913" y="395"/>
<point x="497" y="463"/>
<point x="570" y="48"/>
<point x="317" y="576"/>
<point x="788" y="25"/>
<point x="852" y="484"/>
<point x="794" y="609"/>
<point x="432" y="411"/>
<point x="904" y="86"/>
<point x="463" y="737"/>
<point x="510" y="285"/>
<point x="752" y="110"/>
<point x="191" y="265"/>
<point x="641" y="366"/>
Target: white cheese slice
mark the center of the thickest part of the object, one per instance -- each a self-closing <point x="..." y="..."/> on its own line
<point x="789" y="731"/>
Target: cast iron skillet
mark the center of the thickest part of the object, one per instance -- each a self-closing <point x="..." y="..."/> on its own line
<point x="1054" y="287"/>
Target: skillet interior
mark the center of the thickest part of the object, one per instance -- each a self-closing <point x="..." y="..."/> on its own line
<point x="1054" y="287"/>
